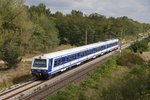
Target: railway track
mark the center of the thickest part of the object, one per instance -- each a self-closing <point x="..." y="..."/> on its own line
<point x="17" y="91"/>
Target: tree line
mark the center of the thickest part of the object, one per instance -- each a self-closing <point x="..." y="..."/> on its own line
<point x="35" y="28"/>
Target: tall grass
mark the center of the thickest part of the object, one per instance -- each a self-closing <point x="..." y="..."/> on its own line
<point x="14" y="76"/>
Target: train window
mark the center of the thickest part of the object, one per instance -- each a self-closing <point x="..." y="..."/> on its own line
<point x="87" y="53"/>
<point x="96" y="49"/>
<point x="59" y="62"/>
<point x="55" y="63"/>
<point x="102" y="47"/>
<point x="70" y="58"/>
<point x="73" y="57"/>
<point x="76" y="55"/>
<point x="99" y="48"/>
<point x="63" y="60"/>
<point x="92" y="50"/>
<point x="39" y="63"/>
<point x="67" y="59"/>
<point x="82" y="54"/>
<point x="79" y="55"/>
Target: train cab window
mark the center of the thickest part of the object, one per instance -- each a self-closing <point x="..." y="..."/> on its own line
<point x="40" y="63"/>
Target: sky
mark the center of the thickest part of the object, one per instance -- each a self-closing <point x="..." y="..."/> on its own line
<point x="138" y="10"/>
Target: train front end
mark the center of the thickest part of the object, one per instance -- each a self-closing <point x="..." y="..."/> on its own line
<point x="40" y="67"/>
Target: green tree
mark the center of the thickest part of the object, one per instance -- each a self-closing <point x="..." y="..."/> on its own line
<point x="10" y="54"/>
<point x="129" y="59"/>
<point x="45" y="34"/>
<point x="139" y="46"/>
<point x="15" y="25"/>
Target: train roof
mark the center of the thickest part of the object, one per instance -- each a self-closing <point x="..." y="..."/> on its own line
<point x="76" y="49"/>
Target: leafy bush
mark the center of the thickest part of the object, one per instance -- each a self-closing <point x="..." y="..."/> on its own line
<point x="92" y="80"/>
<point x="129" y="59"/>
<point x="135" y="86"/>
<point x="10" y="55"/>
<point x="71" y="93"/>
<point x="139" y="46"/>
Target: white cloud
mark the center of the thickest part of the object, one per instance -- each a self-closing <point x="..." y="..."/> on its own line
<point x="136" y="9"/>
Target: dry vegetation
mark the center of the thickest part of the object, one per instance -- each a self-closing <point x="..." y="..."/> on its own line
<point x="146" y="56"/>
<point x="9" y="77"/>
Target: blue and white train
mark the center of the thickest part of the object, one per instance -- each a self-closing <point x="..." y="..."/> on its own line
<point x="46" y="65"/>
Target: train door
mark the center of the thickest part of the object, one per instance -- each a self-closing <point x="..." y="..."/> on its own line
<point x="50" y="65"/>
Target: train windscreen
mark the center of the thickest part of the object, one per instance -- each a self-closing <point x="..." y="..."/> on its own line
<point x="39" y="63"/>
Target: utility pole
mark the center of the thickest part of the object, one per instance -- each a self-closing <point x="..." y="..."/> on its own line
<point x="86" y="37"/>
